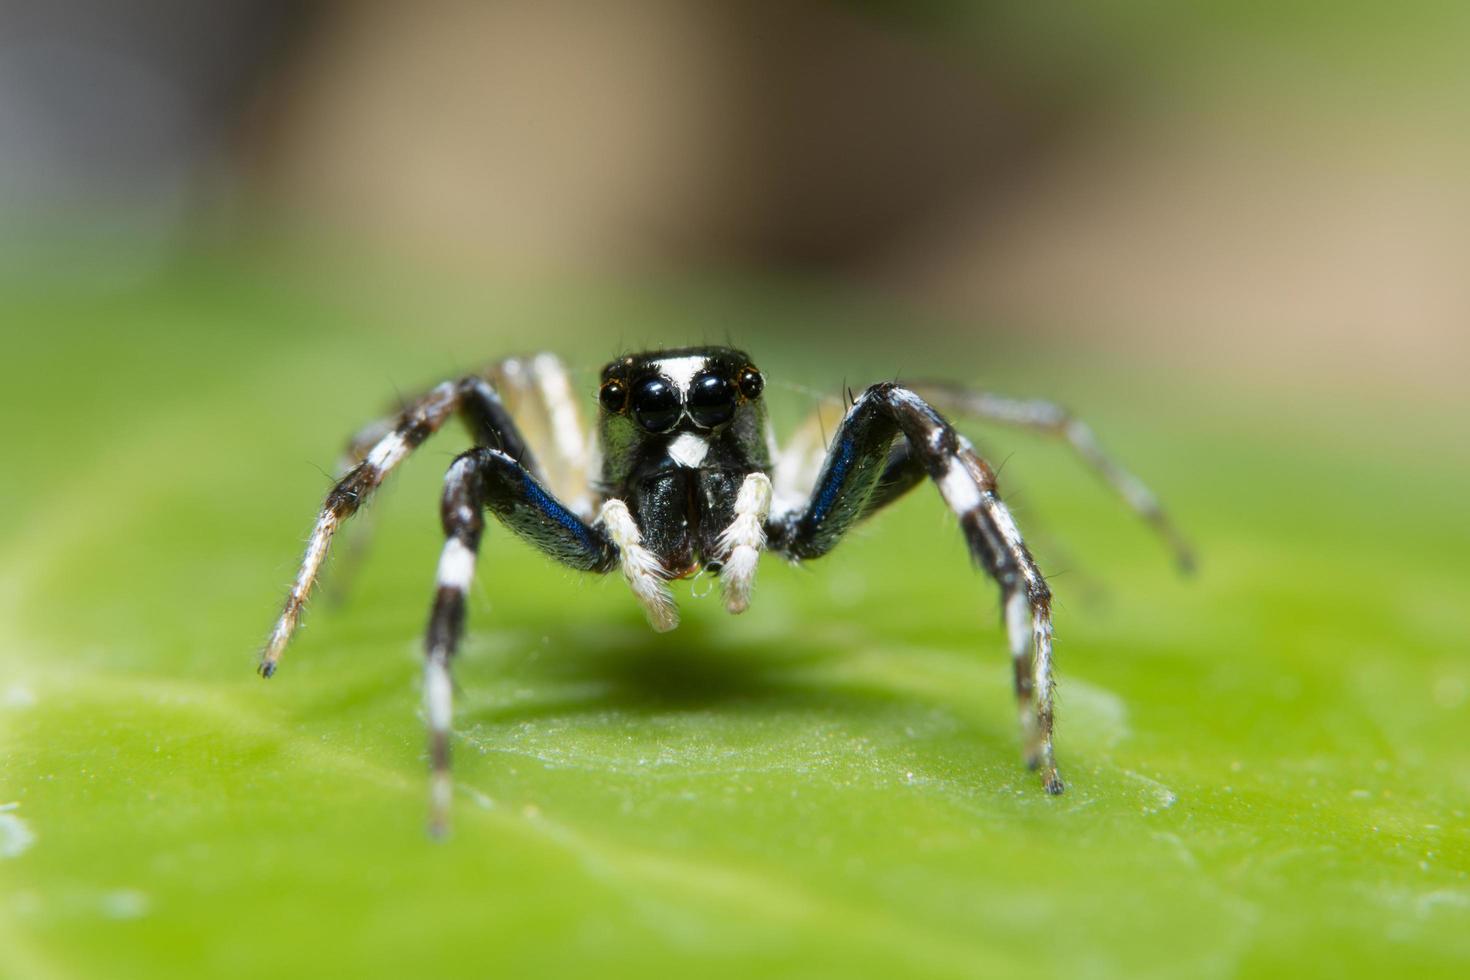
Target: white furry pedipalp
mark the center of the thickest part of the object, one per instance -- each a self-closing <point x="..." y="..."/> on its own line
<point x="641" y="568"/>
<point x="742" y="542"/>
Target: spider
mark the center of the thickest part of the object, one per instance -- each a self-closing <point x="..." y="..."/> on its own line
<point x="684" y="473"/>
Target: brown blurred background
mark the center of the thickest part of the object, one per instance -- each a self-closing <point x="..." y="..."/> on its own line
<point x="1281" y="188"/>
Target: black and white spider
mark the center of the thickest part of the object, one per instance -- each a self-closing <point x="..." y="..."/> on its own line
<point x="683" y="473"/>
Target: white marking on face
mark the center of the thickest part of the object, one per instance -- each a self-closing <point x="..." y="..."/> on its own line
<point x="680" y="370"/>
<point x="959" y="489"/>
<point x="688" y="449"/>
<point x="456" y="565"/>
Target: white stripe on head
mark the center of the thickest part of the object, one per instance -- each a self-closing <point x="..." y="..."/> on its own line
<point x="680" y="370"/>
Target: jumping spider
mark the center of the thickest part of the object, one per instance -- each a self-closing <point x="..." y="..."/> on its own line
<point x="690" y="477"/>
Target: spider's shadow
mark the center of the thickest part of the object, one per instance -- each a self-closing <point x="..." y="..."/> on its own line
<point x="638" y="674"/>
<point x="579" y="671"/>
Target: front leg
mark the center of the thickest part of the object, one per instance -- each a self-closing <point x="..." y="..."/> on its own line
<point x="859" y="461"/>
<point x="484" y="479"/>
<point x="373" y="455"/>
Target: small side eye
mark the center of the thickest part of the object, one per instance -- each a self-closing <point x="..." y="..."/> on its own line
<point x="613" y="397"/>
<point x="711" y="401"/>
<point x="656" y="405"/>
<point x="751" y="383"/>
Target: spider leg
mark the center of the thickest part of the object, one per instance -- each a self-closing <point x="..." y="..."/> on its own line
<point x="473" y="397"/>
<point x="538" y="392"/>
<point x="903" y="472"/>
<point x="338" y="580"/>
<point x="478" y="480"/>
<point x="1053" y="420"/>
<point x="864" y="469"/>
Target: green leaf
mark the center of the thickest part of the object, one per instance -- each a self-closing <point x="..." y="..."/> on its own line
<point x="1268" y="765"/>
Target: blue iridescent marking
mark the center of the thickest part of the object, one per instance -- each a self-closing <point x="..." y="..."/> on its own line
<point x="548" y="505"/>
<point x="832" y="482"/>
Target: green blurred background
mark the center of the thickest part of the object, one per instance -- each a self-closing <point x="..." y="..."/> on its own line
<point x="1231" y="235"/>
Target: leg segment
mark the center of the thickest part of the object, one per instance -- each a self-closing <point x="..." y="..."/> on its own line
<point x="473" y="397"/>
<point x="480" y="479"/>
<point x="460" y="512"/>
<point x="1055" y="421"/>
<point x="538" y="392"/>
<point x="862" y="459"/>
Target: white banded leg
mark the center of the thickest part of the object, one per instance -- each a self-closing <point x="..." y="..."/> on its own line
<point x="539" y="392"/>
<point x="463" y="524"/>
<point x="1018" y="633"/>
<point x="478" y="481"/>
<point x="642" y="570"/>
<point x="743" y="541"/>
<point x="340" y="578"/>
<point x="1053" y="420"/>
<point x="417" y="423"/>
<point x="968" y="486"/>
<point x="861" y="460"/>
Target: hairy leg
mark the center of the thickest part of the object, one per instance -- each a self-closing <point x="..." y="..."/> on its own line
<point x="474" y="397"/>
<point x="484" y="479"/>
<point x="1053" y="420"/>
<point x="862" y="459"/>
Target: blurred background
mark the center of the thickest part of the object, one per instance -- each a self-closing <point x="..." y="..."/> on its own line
<point x="1232" y="234"/>
<point x="1280" y="190"/>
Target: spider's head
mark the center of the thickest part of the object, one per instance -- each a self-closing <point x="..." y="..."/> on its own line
<point x="693" y="389"/>
<point x="677" y="404"/>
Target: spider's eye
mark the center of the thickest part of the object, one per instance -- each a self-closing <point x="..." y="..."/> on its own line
<point x="614" y="397"/>
<point x="711" y="400"/>
<point x="656" y="405"/>
<point x="751" y="383"/>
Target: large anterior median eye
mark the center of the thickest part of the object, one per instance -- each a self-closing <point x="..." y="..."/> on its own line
<point x="656" y="404"/>
<point x="711" y="400"/>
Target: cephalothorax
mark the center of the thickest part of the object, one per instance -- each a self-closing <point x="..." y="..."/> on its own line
<point x="683" y="474"/>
